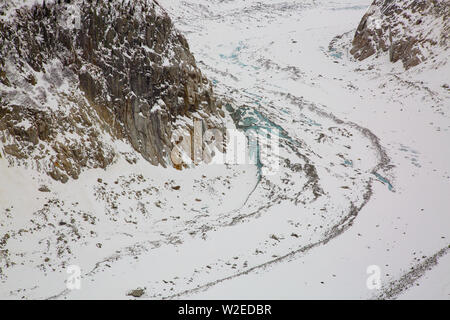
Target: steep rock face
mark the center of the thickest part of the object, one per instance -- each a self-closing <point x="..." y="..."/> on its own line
<point x="75" y="76"/>
<point x="409" y="30"/>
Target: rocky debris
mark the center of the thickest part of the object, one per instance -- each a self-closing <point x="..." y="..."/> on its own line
<point x="406" y="30"/>
<point x="136" y="293"/>
<point x="44" y="189"/>
<point x="274" y="237"/>
<point x="74" y="78"/>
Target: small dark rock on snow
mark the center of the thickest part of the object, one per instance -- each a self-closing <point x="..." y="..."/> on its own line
<point x="137" y="293"/>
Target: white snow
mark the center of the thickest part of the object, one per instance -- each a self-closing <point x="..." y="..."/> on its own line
<point x="224" y="234"/>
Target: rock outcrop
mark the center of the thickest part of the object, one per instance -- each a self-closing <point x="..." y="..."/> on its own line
<point x="408" y="30"/>
<point x="77" y="76"/>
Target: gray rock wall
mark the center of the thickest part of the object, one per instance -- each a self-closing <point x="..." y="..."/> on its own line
<point x="410" y="31"/>
<point x="93" y="68"/>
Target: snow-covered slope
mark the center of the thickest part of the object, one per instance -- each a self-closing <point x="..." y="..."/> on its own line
<point x="359" y="177"/>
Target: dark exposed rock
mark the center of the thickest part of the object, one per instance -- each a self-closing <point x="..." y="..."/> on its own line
<point x="137" y="293"/>
<point x="69" y="76"/>
<point x="406" y="30"/>
<point x="44" y="189"/>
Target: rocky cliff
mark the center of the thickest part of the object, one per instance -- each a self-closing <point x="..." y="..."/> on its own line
<point x="408" y="30"/>
<point x="77" y="76"/>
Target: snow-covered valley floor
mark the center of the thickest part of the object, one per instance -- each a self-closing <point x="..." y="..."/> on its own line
<point x="363" y="181"/>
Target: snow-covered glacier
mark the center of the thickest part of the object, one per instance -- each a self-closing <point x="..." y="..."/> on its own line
<point x="350" y="202"/>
